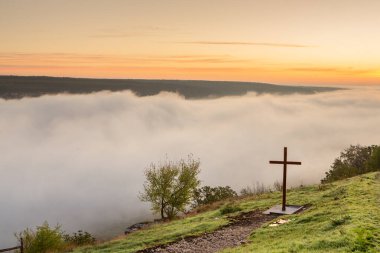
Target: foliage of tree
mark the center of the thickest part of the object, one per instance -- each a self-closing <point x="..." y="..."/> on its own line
<point x="207" y="194"/>
<point x="170" y="186"/>
<point x="354" y="160"/>
<point x="374" y="160"/>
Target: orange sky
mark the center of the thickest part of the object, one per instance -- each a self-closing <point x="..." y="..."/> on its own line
<point x="302" y="42"/>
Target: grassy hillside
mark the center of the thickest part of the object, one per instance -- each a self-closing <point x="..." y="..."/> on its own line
<point x="344" y="217"/>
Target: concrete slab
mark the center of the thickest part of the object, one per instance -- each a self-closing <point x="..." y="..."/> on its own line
<point x="289" y="209"/>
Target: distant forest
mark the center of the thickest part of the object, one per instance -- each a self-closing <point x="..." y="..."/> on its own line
<point x="16" y="87"/>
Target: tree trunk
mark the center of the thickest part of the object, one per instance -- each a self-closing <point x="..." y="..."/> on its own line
<point x="162" y="209"/>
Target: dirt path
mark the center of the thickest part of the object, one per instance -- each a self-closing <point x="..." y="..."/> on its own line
<point x="231" y="235"/>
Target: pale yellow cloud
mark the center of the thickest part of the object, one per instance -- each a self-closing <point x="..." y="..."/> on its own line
<point x="244" y="43"/>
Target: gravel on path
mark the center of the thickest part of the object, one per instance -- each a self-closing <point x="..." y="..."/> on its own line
<point x="231" y="235"/>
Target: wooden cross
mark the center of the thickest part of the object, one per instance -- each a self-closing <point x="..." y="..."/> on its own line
<point x="285" y="162"/>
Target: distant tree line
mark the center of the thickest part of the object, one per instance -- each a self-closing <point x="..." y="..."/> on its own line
<point x="354" y="160"/>
<point x="15" y="87"/>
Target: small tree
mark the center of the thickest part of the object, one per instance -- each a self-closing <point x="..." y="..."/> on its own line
<point x="170" y="186"/>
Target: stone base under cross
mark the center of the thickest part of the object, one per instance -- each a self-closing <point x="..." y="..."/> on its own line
<point x="289" y="209"/>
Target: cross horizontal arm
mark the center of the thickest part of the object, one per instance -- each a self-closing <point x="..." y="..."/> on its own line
<point x="287" y="162"/>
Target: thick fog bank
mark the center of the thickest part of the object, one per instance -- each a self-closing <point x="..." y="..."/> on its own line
<point x="78" y="160"/>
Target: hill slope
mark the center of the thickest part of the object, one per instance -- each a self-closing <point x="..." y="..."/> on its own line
<point x="343" y="217"/>
<point x="13" y="87"/>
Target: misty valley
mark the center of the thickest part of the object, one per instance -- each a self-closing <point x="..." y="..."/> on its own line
<point x="84" y="155"/>
<point x="145" y="126"/>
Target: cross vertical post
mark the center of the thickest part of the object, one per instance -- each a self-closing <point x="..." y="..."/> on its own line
<point x="21" y="245"/>
<point x="284" y="179"/>
<point x="285" y="162"/>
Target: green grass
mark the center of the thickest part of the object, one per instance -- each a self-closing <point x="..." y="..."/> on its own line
<point x="344" y="217"/>
<point x="161" y="233"/>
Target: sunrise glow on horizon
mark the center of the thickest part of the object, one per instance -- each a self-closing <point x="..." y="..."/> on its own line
<point x="286" y="42"/>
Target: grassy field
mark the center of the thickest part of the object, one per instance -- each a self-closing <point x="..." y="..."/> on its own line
<point x="344" y="217"/>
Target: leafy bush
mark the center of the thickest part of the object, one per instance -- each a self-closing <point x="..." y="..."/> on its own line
<point x="50" y="240"/>
<point x="170" y="186"/>
<point x="79" y="239"/>
<point x="230" y="208"/>
<point x="43" y="240"/>
<point x="354" y="160"/>
<point x="207" y="195"/>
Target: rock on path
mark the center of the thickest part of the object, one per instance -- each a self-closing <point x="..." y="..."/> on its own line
<point x="228" y="236"/>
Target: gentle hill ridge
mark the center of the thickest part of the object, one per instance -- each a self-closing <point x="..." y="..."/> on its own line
<point x="343" y="217"/>
<point x="15" y="87"/>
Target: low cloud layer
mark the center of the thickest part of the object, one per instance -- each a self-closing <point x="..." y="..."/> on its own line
<point x="78" y="160"/>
